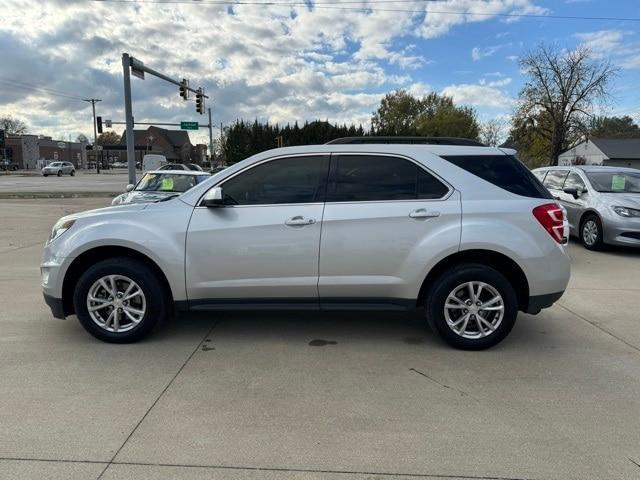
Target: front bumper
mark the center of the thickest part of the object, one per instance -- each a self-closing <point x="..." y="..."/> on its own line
<point x="56" y="306"/>
<point x="621" y="231"/>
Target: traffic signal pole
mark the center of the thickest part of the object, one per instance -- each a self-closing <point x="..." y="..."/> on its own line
<point x="131" y="65"/>
<point x="95" y="133"/>
<point x="128" y="111"/>
<point x="210" y="139"/>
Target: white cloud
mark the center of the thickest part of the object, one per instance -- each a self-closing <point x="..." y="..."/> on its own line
<point x="478" y="95"/>
<point x="478" y="53"/>
<point x="602" y="40"/>
<point x="439" y="20"/>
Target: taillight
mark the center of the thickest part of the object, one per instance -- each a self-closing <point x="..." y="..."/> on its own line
<point x="551" y="217"/>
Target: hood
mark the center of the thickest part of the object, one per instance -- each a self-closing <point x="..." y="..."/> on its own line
<point x="631" y="200"/>
<point x="138" y="196"/>
<point x="107" y="211"/>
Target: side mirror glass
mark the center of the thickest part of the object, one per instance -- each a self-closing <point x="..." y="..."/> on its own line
<point x="130" y="187"/>
<point x="213" y="198"/>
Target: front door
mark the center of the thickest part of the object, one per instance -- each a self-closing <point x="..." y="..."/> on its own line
<point x="262" y="245"/>
<point x="575" y="206"/>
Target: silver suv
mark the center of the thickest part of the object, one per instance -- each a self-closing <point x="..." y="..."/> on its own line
<point x="602" y="203"/>
<point x="463" y="231"/>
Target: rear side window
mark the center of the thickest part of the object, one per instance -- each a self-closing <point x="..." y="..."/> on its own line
<point x="504" y="171"/>
<point x="555" y="179"/>
<point x="362" y="178"/>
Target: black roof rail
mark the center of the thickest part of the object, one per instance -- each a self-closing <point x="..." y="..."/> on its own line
<point x="404" y="140"/>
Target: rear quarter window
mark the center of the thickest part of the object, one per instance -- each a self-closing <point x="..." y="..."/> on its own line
<point x="504" y="171"/>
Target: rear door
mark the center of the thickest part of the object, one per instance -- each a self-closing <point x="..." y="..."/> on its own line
<point x="383" y="217"/>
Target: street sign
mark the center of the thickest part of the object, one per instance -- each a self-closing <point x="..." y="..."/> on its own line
<point x="189" y="125"/>
<point x="137" y="68"/>
<point x="108" y="123"/>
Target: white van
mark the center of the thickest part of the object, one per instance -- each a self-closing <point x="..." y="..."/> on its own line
<point x="153" y="162"/>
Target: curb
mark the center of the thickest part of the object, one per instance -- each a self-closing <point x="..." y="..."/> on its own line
<point x="36" y="195"/>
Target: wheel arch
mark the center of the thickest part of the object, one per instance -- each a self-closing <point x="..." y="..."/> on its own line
<point x="585" y="214"/>
<point x="97" y="254"/>
<point x="498" y="261"/>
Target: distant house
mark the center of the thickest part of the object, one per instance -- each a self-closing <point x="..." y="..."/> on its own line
<point x="173" y="144"/>
<point x="615" y="152"/>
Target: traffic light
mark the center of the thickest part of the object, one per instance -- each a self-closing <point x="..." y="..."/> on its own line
<point x="200" y="101"/>
<point x="99" y="124"/>
<point x="184" y="89"/>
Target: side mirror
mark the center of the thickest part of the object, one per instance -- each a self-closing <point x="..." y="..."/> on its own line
<point x="573" y="191"/>
<point x="213" y="198"/>
<point x="130" y="187"/>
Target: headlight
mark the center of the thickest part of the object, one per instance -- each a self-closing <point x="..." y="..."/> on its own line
<point x="60" y="227"/>
<point x="626" y="212"/>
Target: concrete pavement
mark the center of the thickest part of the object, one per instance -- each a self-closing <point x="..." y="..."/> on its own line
<point x="317" y="396"/>
<point x="83" y="182"/>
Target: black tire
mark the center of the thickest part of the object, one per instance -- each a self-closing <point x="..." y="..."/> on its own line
<point x="45" y="175"/>
<point x="448" y="282"/>
<point x="591" y="220"/>
<point x="59" y="173"/>
<point x="73" y="173"/>
<point x="157" y="298"/>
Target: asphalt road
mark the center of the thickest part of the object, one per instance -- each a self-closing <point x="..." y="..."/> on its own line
<point x="112" y="181"/>
<point x="332" y="396"/>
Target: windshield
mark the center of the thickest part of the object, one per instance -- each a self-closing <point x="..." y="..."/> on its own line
<point x="55" y="164"/>
<point x="164" y="182"/>
<point x="615" y="182"/>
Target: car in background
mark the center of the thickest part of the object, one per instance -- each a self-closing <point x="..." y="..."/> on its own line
<point x="215" y="170"/>
<point x="59" y="169"/>
<point x="119" y="165"/>
<point x="160" y="185"/>
<point x="7" y="165"/>
<point x="602" y="203"/>
<point x="182" y="166"/>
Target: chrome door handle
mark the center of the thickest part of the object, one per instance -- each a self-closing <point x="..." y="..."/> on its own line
<point x="422" y="213"/>
<point x="299" y="220"/>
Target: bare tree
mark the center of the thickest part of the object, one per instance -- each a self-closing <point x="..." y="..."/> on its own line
<point x="562" y="87"/>
<point x="82" y="138"/>
<point x="13" y="125"/>
<point x="492" y="132"/>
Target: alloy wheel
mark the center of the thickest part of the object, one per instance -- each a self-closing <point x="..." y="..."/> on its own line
<point x="590" y="232"/>
<point x="474" y="310"/>
<point x="116" y="303"/>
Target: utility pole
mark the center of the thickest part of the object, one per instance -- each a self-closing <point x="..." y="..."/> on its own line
<point x="210" y="139"/>
<point x="222" y="161"/>
<point x="95" y="133"/>
<point x="128" y="110"/>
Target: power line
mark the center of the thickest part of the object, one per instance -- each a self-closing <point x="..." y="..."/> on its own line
<point x="328" y="5"/>
<point x="27" y="86"/>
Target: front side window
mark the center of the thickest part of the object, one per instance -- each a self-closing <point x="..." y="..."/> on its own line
<point x="555" y="179"/>
<point x="360" y="178"/>
<point x="286" y="180"/>
<point x="574" y="181"/>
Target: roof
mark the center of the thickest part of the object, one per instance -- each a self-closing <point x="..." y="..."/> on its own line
<point x="176" y="138"/>
<point x="618" y="147"/>
<point x="589" y="168"/>
<point x="368" y="140"/>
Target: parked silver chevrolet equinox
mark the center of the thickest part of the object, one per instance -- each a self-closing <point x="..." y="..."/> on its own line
<point x="461" y="230"/>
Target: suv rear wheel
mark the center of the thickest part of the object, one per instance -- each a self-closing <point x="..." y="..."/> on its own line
<point x="120" y="300"/>
<point x="472" y="307"/>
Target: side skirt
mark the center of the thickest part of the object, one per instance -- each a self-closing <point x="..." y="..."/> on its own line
<point x="324" y="304"/>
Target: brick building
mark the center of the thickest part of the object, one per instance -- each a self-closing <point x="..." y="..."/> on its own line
<point x="33" y="151"/>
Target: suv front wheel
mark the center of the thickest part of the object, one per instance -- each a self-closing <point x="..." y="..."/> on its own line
<point x="472" y="307"/>
<point x="120" y="300"/>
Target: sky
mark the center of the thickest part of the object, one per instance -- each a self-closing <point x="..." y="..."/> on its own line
<point x="292" y="60"/>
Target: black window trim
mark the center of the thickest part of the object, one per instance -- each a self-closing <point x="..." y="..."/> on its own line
<point x="261" y="162"/>
<point x="577" y="172"/>
<point x="334" y="166"/>
<point x="557" y="169"/>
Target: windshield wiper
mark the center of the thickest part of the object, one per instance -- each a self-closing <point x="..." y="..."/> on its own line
<point x="168" y="197"/>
